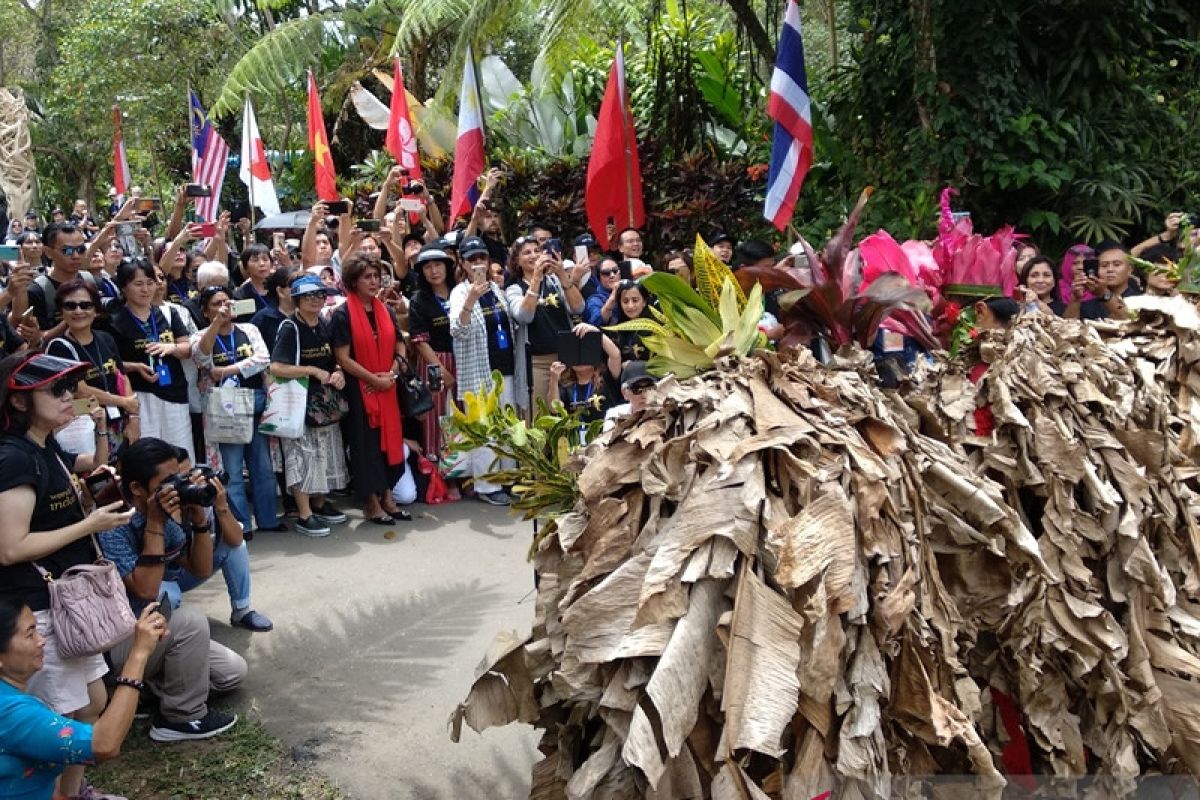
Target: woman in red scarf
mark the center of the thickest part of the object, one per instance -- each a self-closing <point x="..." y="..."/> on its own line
<point x="369" y="349"/>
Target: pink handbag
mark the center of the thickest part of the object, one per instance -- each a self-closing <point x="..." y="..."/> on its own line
<point x="89" y="609"/>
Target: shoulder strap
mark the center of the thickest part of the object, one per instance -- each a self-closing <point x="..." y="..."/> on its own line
<point x="71" y="345"/>
<point x="49" y="291"/>
<point x="165" y="310"/>
<point x="296" y="328"/>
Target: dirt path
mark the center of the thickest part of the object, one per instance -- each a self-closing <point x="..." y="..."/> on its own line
<point x="377" y="640"/>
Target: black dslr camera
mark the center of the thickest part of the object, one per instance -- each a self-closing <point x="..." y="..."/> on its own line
<point x="196" y="494"/>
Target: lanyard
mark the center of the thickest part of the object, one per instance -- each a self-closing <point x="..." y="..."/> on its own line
<point x="493" y="315"/>
<point x="97" y="360"/>
<point x="575" y="405"/>
<point x="231" y="348"/>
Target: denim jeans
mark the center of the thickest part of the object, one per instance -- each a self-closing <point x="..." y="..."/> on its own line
<point x="262" y="476"/>
<point x="234" y="563"/>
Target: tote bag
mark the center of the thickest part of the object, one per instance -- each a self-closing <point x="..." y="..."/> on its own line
<point x="287" y="403"/>
<point x="229" y="415"/>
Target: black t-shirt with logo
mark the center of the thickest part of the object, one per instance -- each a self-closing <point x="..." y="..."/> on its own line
<point x="591" y="400"/>
<point x="549" y="319"/>
<point x="430" y="315"/>
<point x="102" y="354"/>
<point x="226" y="354"/>
<point x="24" y="463"/>
<point x="316" y="346"/>
<point x="133" y="334"/>
<point x="499" y="330"/>
<point x="180" y="290"/>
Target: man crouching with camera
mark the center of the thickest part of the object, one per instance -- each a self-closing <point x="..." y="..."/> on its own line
<point x="169" y="540"/>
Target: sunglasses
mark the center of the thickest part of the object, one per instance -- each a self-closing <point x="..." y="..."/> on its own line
<point x="608" y="273"/>
<point x="63" y="390"/>
<point x="73" y="249"/>
<point x="83" y="305"/>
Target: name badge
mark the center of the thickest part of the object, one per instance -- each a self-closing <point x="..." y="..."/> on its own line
<point x="164" y="373"/>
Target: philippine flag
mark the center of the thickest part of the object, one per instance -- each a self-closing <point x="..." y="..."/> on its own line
<point x="468" y="150"/>
<point x="789" y="106"/>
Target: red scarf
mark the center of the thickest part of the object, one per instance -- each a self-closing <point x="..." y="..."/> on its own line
<point x="377" y="353"/>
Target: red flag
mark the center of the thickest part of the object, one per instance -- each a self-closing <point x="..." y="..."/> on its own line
<point x="121" y="179"/>
<point x="401" y="142"/>
<point x="468" y="148"/>
<point x="318" y="142"/>
<point x="614" y="179"/>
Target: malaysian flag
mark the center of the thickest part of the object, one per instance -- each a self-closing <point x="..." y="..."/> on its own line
<point x="792" y="144"/>
<point x="210" y="155"/>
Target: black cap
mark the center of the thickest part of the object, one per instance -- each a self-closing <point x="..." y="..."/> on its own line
<point x="634" y="374"/>
<point x="412" y="237"/>
<point x="471" y="246"/>
<point x="586" y="240"/>
<point x="721" y="236"/>
<point x="431" y="252"/>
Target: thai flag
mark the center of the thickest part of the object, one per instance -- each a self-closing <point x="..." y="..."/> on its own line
<point x="210" y="155"/>
<point x="468" y="150"/>
<point x="789" y="106"/>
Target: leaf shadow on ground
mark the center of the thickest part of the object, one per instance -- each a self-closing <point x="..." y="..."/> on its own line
<point x="500" y="778"/>
<point x="351" y="667"/>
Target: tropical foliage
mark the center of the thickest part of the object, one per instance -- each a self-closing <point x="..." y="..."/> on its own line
<point x="1066" y="119"/>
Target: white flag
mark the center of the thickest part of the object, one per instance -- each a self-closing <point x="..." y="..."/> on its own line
<point x="255" y="171"/>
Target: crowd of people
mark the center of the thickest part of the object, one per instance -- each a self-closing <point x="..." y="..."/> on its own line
<point x="120" y="348"/>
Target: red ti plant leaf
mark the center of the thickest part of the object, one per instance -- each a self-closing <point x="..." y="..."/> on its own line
<point x="772" y="278"/>
<point x="833" y="257"/>
<point x="887" y="294"/>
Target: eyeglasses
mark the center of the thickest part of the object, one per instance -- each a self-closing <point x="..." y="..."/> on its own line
<point x="640" y="388"/>
<point x="73" y="249"/>
<point x="83" y="305"/>
<point x="608" y="273"/>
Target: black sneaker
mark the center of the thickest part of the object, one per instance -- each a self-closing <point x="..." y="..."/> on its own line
<point x="496" y="498"/>
<point x="329" y="515"/>
<point x="214" y="722"/>
<point x="312" y="526"/>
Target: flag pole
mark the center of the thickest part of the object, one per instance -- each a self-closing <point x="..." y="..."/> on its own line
<point x="626" y="134"/>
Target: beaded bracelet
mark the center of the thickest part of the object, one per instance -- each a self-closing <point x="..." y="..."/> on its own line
<point x="132" y="683"/>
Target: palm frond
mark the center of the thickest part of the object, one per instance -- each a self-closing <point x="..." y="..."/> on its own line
<point x="275" y="63"/>
<point x="639" y="326"/>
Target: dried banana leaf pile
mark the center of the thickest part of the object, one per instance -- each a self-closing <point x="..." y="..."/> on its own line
<point x="782" y="580"/>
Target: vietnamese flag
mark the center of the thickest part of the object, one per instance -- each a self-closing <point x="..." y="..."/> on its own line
<point x="401" y="142"/>
<point x="468" y="149"/>
<point x="614" y="178"/>
<point x="318" y="142"/>
<point x="121" y="178"/>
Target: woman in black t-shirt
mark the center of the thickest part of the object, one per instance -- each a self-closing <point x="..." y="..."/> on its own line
<point x="153" y="349"/>
<point x="589" y="389"/>
<point x="429" y="328"/>
<point x="633" y="302"/>
<point x="45" y="522"/>
<point x="235" y="355"/>
<point x="314" y="464"/>
<point x="78" y="301"/>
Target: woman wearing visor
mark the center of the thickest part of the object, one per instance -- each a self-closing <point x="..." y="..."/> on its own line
<point x="46" y="524"/>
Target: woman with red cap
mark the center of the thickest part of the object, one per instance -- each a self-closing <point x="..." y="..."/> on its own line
<point x="46" y="524"/>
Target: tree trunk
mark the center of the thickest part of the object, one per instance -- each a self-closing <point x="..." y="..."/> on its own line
<point x="924" y="61"/>
<point x="832" y="17"/>
<point x="744" y="12"/>
<point x="85" y="188"/>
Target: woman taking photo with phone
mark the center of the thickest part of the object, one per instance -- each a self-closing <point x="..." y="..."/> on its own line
<point x="483" y="337"/>
<point x="234" y="354"/>
<point x="541" y="301"/>
<point x="104" y="381"/>
<point x="40" y="744"/>
<point x="45" y="525"/>
<point x="369" y="348"/>
<point x="429" y="328"/>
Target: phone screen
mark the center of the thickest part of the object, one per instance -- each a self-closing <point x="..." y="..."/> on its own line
<point x="9" y="252"/>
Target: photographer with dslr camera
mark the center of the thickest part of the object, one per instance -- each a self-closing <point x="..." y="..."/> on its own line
<point x="167" y="548"/>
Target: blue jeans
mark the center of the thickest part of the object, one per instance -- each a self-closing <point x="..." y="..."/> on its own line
<point x="234" y="563"/>
<point x="262" y="476"/>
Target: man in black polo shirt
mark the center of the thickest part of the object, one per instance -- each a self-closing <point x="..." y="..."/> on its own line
<point x="1109" y="288"/>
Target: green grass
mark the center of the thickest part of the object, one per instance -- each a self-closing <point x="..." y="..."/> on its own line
<point x="246" y="762"/>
